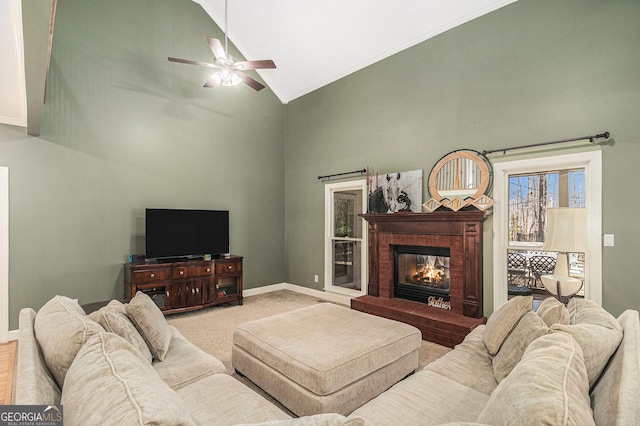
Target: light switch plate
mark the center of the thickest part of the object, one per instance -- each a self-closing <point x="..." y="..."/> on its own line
<point x="608" y="240"/>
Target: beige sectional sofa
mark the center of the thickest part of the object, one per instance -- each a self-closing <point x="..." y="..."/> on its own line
<point x="125" y="365"/>
<point x="574" y="365"/>
<point x="66" y="357"/>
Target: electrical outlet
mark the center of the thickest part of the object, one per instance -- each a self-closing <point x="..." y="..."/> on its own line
<point x="315" y="278"/>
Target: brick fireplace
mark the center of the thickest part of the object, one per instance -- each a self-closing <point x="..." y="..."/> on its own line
<point x="402" y="248"/>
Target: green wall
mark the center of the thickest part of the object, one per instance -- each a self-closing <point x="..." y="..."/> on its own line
<point x="124" y="129"/>
<point x="534" y="71"/>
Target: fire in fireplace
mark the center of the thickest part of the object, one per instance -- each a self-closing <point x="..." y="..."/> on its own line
<point x="422" y="275"/>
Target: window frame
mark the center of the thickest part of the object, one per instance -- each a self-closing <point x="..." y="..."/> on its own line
<point x="330" y="189"/>
<point x="591" y="161"/>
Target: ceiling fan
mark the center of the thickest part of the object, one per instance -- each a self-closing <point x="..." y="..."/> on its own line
<point x="230" y="72"/>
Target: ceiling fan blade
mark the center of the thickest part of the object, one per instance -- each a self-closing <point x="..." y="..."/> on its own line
<point x="190" y="62"/>
<point x="254" y="65"/>
<point x="210" y="83"/>
<point x="250" y="81"/>
<point x="216" y="48"/>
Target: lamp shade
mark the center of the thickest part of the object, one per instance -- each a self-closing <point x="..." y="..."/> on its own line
<point x="566" y="230"/>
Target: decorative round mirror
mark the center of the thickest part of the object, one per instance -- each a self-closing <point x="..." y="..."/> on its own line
<point x="460" y="174"/>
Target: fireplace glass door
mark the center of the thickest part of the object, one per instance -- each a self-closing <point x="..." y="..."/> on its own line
<point x="422" y="274"/>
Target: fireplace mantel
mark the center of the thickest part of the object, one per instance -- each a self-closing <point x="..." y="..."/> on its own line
<point x="461" y="232"/>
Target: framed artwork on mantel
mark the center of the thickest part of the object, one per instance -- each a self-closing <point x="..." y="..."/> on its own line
<point x="395" y="192"/>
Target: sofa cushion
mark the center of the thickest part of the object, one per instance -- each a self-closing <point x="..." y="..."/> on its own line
<point x="222" y="400"/>
<point x="549" y="386"/>
<point x="151" y="324"/>
<point x="62" y="328"/>
<point x="597" y="332"/>
<point x="110" y="379"/>
<point x="186" y="363"/>
<point x="615" y="394"/>
<point x="117" y="322"/>
<point x="552" y="311"/>
<point x="327" y="419"/>
<point x="424" y="398"/>
<point x="33" y="382"/>
<point x="503" y="320"/>
<point x="469" y="364"/>
<point x="529" y="328"/>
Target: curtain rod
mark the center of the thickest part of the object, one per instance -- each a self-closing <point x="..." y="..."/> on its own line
<point x="604" y="135"/>
<point x="345" y="173"/>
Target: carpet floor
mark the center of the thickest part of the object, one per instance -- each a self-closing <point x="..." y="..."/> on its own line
<point x="212" y="329"/>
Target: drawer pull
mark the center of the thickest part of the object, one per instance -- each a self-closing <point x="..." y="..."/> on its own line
<point x="181" y="272"/>
<point x="208" y="269"/>
<point x="229" y="267"/>
<point x="193" y="291"/>
<point x="153" y="275"/>
<point x="197" y="290"/>
<point x="167" y="294"/>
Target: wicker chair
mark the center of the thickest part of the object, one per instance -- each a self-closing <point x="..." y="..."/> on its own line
<point x="517" y="275"/>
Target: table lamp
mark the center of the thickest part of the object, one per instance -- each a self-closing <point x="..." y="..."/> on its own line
<point x="566" y="233"/>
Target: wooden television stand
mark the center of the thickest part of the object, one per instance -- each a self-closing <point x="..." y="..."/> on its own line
<point x="186" y="285"/>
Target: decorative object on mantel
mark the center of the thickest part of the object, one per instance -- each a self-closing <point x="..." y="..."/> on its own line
<point x="461" y="178"/>
<point x="395" y="192"/>
<point x="566" y="233"/>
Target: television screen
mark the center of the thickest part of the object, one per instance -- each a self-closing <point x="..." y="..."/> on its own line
<point x="186" y="233"/>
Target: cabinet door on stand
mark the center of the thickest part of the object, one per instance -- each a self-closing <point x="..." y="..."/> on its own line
<point x="210" y="293"/>
<point x="229" y="288"/>
<point x="177" y="292"/>
<point x="158" y="292"/>
<point x="193" y="292"/>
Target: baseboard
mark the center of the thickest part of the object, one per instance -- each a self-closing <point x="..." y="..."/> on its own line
<point x="13" y="334"/>
<point x="330" y="297"/>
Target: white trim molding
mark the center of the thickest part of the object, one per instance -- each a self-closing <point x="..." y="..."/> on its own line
<point x="592" y="163"/>
<point x="323" y="295"/>
<point x="4" y="254"/>
<point x="329" y="190"/>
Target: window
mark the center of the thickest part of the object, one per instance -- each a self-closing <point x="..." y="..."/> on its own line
<point x="523" y="190"/>
<point x="345" y="242"/>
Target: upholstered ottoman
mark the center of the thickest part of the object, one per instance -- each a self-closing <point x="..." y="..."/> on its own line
<point x="325" y="358"/>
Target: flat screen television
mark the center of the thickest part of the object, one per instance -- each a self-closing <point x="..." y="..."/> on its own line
<point x="176" y="233"/>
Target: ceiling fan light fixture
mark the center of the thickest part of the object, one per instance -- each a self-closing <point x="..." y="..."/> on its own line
<point x="226" y="78"/>
<point x="230" y="72"/>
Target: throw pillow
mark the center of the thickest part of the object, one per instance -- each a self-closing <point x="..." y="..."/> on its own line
<point x="549" y="386"/>
<point x="111" y="382"/>
<point x="552" y="311"/>
<point x="529" y="328"/>
<point x="502" y="321"/>
<point x="596" y="331"/>
<point x="118" y="323"/>
<point x="113" y="305"/>
<point x="61" y="328"/>
<point x="151" y="324"/>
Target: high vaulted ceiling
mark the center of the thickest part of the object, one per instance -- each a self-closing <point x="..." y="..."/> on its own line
<point x="312" y="42"/>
